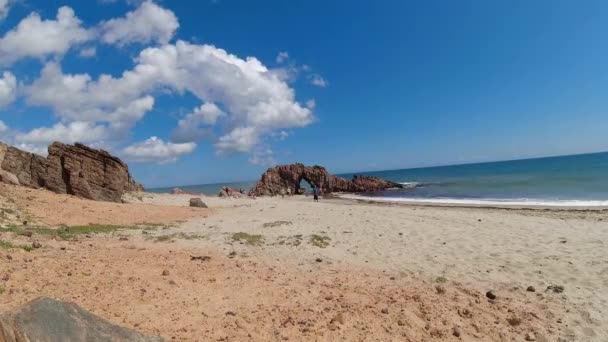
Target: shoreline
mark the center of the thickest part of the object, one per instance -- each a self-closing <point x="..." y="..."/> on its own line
<point x="491" y="204"/>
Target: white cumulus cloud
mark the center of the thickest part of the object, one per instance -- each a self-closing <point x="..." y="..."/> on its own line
<point x="195" y="126"/>
<point x="255" y="102"/>
<point x="8" y="88"/>
<point x="76" y="131"/>
<point x="79" y="98"/>
<point x="156" y="150"/>
<point x="147" y="23"/>
<point x="37" y="38"/>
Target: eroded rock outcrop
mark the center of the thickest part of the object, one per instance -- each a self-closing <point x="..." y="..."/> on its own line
<point x="70" y="169"/>
<point x="283" y="177"/>
<point x="47" y="319"/>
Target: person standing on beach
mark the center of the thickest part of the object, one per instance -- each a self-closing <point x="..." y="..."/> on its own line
<point x="315" y="193"/>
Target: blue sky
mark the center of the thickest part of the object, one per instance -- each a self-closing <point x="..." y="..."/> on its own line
<point x="213" y="91"/>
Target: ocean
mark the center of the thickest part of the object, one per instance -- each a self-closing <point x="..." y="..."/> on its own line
<point x="577" y="180"/>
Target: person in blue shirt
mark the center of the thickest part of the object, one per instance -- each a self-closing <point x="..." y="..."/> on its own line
<point x="315" y="193"/>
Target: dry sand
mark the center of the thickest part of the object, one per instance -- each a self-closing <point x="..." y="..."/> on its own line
<point x="386" y="273"/>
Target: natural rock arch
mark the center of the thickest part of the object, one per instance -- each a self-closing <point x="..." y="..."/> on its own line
<point x="283" y="177"/>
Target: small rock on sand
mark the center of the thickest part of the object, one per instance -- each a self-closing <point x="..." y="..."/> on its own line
<point x="531" y="289"/>
<point x="384" y="311"/>
<point x="491" y="295"/>
<point x="339" y="318"/>
<point x="530" y="336"/>
<point x="456" y="331"/>
<point x="198" y="203"/>
<point x="36" y="244"/>
<point x="165" y="273"/>
<point x="440" y="289"/>
<point x="319" y="260"/>
<point x="555" y="288"/>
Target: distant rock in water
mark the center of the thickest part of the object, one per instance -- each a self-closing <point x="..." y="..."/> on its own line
<point x="70" y="169"/>
<point x="50" y="320"/>
<point x="283" y="177"/>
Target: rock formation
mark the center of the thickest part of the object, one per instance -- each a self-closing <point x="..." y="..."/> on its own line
<point x="227" y="192"/>
<point x="46" y="319"/>
<point x="70" y="169"/>
<point x="285" y="177"/>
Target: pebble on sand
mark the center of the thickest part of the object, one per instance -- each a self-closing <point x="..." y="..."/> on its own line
<point x="491" y="295"/>
<point x="165" y="273"/>
<point x="531" y="289"/>
<point x="530" y="336"/>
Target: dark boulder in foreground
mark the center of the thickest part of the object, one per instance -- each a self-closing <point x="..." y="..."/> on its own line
<point x="70" y="169"/>
<point x="50" y="320"/>
<point x="280" y="178"/>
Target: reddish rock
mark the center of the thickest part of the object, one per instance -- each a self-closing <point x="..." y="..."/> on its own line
<point x="230" y="192"/>
<point x="71" y="169"/>
<point x="283" y="177"/>
<point x="177" y="191"/>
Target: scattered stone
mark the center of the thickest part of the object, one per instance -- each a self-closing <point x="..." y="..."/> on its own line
<point x="62" y="248"/>
<point x="400" y="323"/>
<point x="201" y="258"/>
<point x="6" y="277"/>
<point x="46" y="319"/>
<point x="530" y="336"/>
<point x="172" y="282"/>
<point x="198" y="203"/>
<point x="27" y="233"/>
<point x="339" y="318"/>
<point x="514" y="321"/>
<point x="555" y="288"/>
<point x="319" y="260"/>
<point x="440" y="289"/>
<point x="491" y="295"/>
<point x="329" y="297"/>
<point x="230" y="313"/>
<point x="36" y="244"/>
<point x="531" y="289"/>
<point x="384" y="311"/>
<point x="124" y="238"/>
<point x="69" y="274"/>
<point x="456" y="331"/>
<point x="165" y="273"/>
<point x="232" y="254"/>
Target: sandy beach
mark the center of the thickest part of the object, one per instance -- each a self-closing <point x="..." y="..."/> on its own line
<point x="289" y="269"/>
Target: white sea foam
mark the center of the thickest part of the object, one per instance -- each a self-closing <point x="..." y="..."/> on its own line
<point x="521" y="202"/>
